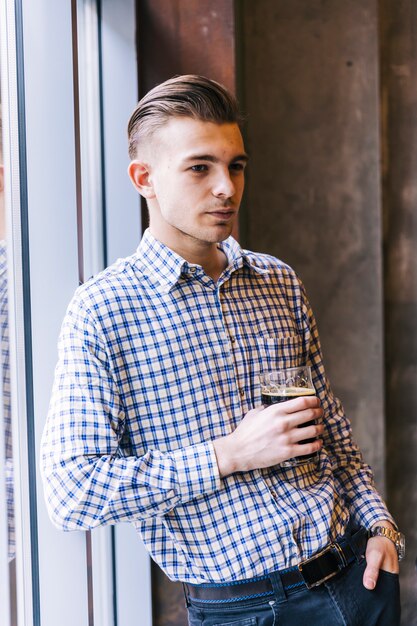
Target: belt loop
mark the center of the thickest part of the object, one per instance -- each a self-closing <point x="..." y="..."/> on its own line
<point x="358" y="542"/>
<point x="184" y="588"/>
<point x="277" y="586"/>
<point x="356" y="539"/>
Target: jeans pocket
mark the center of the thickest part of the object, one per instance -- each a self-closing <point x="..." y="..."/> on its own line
<point x="194" y="617"/>
<point x="393" y="575"/>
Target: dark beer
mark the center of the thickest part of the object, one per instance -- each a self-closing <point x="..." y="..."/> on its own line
<point x="289" y="393"/>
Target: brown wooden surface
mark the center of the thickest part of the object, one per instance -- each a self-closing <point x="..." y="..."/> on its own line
<point x="185" y="37"/>
<point x="182" y="37"/>
<point x="316" y="133"/>
<point x="310" y="78"/>
<point x="313" y="195"/>
<point x="399" y="131"/>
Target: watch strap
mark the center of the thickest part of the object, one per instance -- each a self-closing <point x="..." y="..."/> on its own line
<point x="393" y="535"/>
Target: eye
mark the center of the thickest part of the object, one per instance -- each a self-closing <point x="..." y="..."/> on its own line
<point x="199" y="168"/>
<point x="237" y="167"/>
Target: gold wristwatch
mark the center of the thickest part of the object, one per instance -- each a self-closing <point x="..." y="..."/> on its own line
<point x="397" y="538"/>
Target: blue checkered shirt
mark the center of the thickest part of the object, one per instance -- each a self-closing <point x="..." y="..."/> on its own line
<point x="155" y="362"/>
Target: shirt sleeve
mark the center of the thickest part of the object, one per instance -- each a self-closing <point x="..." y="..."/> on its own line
<point x="354" y="478"/>
<point x="86" y="484"/>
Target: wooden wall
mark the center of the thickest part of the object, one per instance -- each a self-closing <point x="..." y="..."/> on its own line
<point x="330" y="92"/>
<point x="314" y="194"/>
<point x="398" y="24"/>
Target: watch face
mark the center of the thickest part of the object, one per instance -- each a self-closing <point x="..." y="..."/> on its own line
<point x="401" y="546"/>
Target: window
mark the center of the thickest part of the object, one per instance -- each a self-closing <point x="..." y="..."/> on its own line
<point x="68" y="84"/>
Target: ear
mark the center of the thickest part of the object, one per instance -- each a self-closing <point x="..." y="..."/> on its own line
<point x="140" y="175"/>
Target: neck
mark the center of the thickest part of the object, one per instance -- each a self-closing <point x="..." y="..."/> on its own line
<point x="211" y="258"/>
<point x="214" y="264"/>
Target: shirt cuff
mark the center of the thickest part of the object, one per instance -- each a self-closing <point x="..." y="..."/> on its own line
<point x="377" y="516"/>
<point x="197" y="470"/>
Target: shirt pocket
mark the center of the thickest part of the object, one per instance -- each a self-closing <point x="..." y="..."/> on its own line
<point x="279" y="352"/>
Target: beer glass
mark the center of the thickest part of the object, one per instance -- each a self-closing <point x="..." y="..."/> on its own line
<point x="286" y="384"/>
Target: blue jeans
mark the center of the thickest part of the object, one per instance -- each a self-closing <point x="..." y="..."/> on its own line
<point x="342" y="601"/>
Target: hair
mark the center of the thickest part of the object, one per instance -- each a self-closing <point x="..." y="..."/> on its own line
<point x="191" y="96"/>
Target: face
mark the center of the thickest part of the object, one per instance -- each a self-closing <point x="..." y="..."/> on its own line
<point x="193" y="182"/>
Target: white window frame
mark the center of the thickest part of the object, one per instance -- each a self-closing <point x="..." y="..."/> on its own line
<point x="120" y="563"/>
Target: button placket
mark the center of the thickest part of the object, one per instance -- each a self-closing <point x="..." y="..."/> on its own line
<point x="229" y="330"/>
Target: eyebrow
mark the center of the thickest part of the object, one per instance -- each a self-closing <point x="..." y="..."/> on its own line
<point x="213" y="159"/>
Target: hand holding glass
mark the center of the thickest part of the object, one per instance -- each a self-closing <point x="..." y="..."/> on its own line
<point x="287" y="384"/>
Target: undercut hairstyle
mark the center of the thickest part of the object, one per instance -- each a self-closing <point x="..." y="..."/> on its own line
<point x="191" y="96"/>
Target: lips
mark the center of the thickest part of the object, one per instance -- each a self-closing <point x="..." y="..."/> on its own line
<point x="222" y="214"/>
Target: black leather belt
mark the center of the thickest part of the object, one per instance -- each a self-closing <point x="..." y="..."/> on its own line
<point x="312" y="572"/>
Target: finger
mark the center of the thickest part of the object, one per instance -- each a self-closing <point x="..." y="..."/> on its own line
<point x="300" y="434"/>
<point x="299" y="404"/>
<point x="302" y="414"/>
<point x="370" y="576"/>
<point x="296" y="420"/>
<point x="302" y="449"/>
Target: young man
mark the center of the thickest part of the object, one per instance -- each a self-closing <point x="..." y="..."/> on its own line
<point x="156" y="415"/>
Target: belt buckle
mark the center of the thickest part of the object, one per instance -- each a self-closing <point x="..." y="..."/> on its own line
<point x="303" y="567"/>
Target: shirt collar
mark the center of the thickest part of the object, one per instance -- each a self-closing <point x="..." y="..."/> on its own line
<point x="168" y="266"/>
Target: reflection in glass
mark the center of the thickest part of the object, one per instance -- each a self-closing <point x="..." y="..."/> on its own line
<point x="5" y="394"/>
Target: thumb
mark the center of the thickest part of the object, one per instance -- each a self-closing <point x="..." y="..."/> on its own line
<point x="370" y="576"/>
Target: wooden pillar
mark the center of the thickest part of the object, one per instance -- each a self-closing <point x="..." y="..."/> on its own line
<point x="182" y="37"/>
<point x="185" y="37"/>
<point x="309" y="79"/>
<point x="399" y="106"/>
<point x="313" y="196"/>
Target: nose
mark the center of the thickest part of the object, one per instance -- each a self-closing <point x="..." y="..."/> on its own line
<point x="223" y="186"/>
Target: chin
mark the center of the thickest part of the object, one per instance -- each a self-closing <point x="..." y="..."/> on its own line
<point x="218" y="239"/>
<point x="222" y="233"/>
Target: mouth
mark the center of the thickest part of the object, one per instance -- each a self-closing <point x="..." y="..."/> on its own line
<point x="223" y="215"/>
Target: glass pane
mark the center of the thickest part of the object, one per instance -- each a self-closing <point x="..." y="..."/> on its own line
<point x="5" y="398"/>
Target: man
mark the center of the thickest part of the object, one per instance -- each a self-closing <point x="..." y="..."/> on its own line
<point x="156" y="414"/>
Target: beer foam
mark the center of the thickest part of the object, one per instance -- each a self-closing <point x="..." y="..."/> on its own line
<point x="291" y="392"/>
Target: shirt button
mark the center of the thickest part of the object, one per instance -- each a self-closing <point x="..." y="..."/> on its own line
<point x="242" y="393"/>
<point x="274" y="494"/>
<point x="233" y="339"/>
<point x="193" y="270"/>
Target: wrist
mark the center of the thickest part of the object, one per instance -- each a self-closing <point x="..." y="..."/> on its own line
<point x="385" y="523"/>
<point x="225" y="456"/>
<point x="389" y="532"/>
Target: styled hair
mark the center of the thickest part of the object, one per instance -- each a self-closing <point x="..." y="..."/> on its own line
<point x="189" y="95"/>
